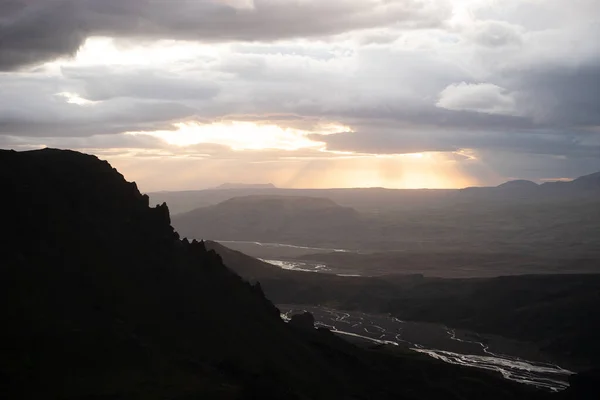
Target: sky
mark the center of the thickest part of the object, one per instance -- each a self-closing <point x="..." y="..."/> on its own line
<point x="189" y="94"/>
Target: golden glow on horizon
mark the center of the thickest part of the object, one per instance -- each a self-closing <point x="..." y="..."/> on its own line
<point x="243" y="135"/>
<point x="397" y="171"/>
<point x="403" y="171"/>
<point x="288" y="157"/>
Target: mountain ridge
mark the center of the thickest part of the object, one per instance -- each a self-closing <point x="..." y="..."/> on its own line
<point x="266" y="218"/>
<point x="101" y="299"/>
<point x="233" y="185"/>
<point x="584" y="187"/>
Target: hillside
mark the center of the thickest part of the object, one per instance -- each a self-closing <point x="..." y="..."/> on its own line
<point x="519" y="184"/>
<point x="100" y="299"/>
<point x="589" y="182"/>
<point x="505" y="237"/>
<point x="268" y="218"/>
<point x="520" y="222"/>
<point x="556" y="312"/>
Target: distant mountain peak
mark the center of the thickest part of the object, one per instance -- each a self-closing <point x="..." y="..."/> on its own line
<point x="296" y="201"/>
<point x="591" y="178"/>
<point x="268" y="218"/>
<point x="518" y="184"/>
<point x="585" y="183"/>
<point x="230" y="185"/>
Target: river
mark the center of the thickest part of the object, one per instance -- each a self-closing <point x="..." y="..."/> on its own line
<point x="511" y="359"/>
<point x="282" y="245"/>
<point x="286" y="256"/>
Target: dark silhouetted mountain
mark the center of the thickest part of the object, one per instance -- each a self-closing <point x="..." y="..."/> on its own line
<point x="268" y="218"/>
<point x="584" y="185"/>
<point x="584" y="188"/>
<point x="587" y="182"/>
<point x="229" y="185"/>
<point x="100" y="299"/>
<point x="246" y="266"/>
<point x="519" y="184"/>
<point x="369" y="199"/>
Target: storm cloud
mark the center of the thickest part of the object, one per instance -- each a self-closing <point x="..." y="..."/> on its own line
<point x="38" y="30"/>
<point x="514" y="85"/>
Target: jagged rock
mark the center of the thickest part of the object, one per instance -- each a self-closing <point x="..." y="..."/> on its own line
<point x="303" y="321"/>
<point x="258" y="289"/>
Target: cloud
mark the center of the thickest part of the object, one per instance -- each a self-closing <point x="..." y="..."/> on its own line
<point x="39" y="30"/>
<point x="478" y="78"/>
<point x="496" y="34"/>
<point x="562" y="96"/>
<point x="103" y="83"/>
<point x="99" y="143"/>
<point x="479" y="97"/>
<point x="37" y="107"/>
<point x="400" y="141"/>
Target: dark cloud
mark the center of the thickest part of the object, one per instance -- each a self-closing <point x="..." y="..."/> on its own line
<point x="106" y="141"/>
<point x="103" y="83"/>
<point x="38" y="30"/>
<point x="561" y="95"/>
<point x="522" y="92"/>
<point x="98" y="119"/>
<point x="535" y="167"/>
<point x="34" y="31"/>
<point x="399" y="141"/>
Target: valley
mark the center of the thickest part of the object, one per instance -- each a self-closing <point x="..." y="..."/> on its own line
<point x="106" y="296"/>
<point x="515" y="361"/>
<point x="553" y="312"/>
<point x="518" y="262"/>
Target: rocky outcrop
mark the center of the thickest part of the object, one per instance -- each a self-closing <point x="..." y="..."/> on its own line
<point x="303" y="321"/>
<point x="97" y="291"/>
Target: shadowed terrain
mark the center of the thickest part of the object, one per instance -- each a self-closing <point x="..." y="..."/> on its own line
<point x="268" y="218"/>
<point x="516" y="228"/>
<point x="101" y="299"/>
<point x="557" y="313"/>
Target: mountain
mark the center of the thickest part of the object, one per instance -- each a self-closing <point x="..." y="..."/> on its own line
<point x="269" y="218"/>
<point x="584" y="188"/>
<point x="588" y="182"/>
<point x="229" y="185"/>
<point x="519" y="184"/>
<point x="584" y="185"/>
<point x="249" y="267"/>
<point x="380" y="199"/>
<point x="101" y="299"/>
